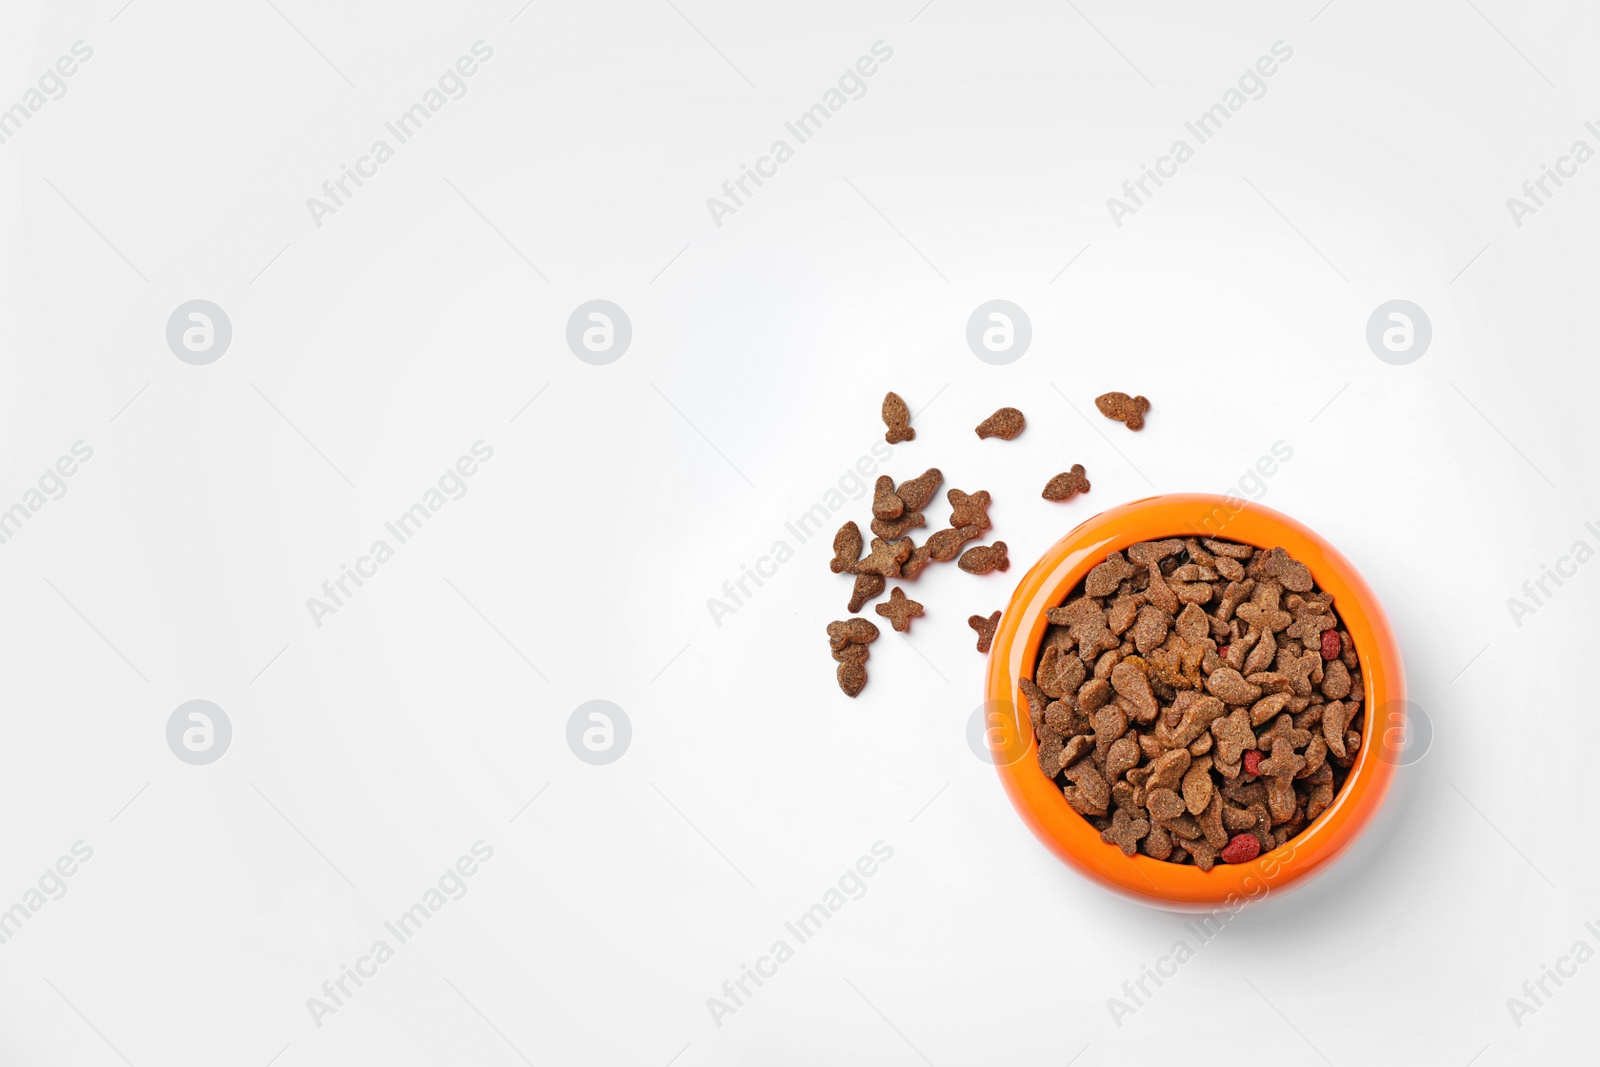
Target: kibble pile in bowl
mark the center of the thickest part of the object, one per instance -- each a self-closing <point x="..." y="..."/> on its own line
<point x="1197" y="700"/>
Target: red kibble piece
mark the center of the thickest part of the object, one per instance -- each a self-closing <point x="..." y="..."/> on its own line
<point x="1223" y="651"/>
<point x="1330" y="644"/>
<point x="1242" y="849"/>
<point x="1252" y="762"/>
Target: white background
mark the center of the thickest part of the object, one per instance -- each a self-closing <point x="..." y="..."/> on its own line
<point x="372" y="351"/>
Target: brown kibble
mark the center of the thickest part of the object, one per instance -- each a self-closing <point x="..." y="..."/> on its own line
<point x="1290" y="572"/>
<point x="1197" y="791"/>
<point x="867" y="587"/>
<point x="1167" y="770"/>
<point x="1125" y="831"/>
<point x="852" y="670"/>
<point x="1077" y="746"/>
<point x="1085" y="619"/>
<point x="986" y="629"/>
<point x="1320" y="798"/>
<point x="1234" y="736"/>
<point x="1158" y="845"/>
<point x="1147" y="552"/>
<point x="1204" y="852"/>
<point x="916" y="493"/>
<point x="1030" y="692"/>
<point x="851" y="632"/>
<point x="1335" y="680"/>
<point x="1210" y="820"/>
<point x="846" y="549"/>
<point x="1059" y="672"/>
<point x="919" y="559"/>
<point x="1066" y="720"/>
<point x="1067" y="484"/>
<point x="1335" y="718"/>
<point x="1121" y="757"/>
<point x="1088" y="794"/>
<point x="1050" y="753"/>
<point x="1231" y="549"/>
<point x="1133" y="685"/>
<point x="900" y="610"/>
<point x="1164" y="804"/>
<point x="1094" y="695"/>
<point x="894" y="529"/>
<point x="897" y="417"/>
<point x="1104" y="577"/>
<point x="1280" y="798"/>
<point x="1128" y="410"/>
<point x="885" y="558"/>
<point x="985" y="558"/>
<point x="885" y="504"/>
<point x="1150" y="629"/>
<point x="1284" y="762"/>
<point x="1192" y="625"/>
<point x="968" y="510"/>
<point x="1210" y="698"/>
<point x="1229" y="685"/>
<point x="945" y="545"/>
<point x="1004" y="424"/>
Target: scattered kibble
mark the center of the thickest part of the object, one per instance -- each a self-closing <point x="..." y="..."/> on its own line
<point x="900" y="610"/>
<point x="885" y="558"/>
<point x="1067" y="484"/>
<point x="849" y="638"/>
<point x="852" y="669"/>
<point x="894" y="529"/>
<point x="867" y="588"/>
<point x="968" y="510"/>
<point x="846" y="549"/>
<point x="1128" y="410"/>
<point x="945" y="545"/>
<point x="886" y="504"/>
<point x="897" y="417"/>
<point x="986" y="629"/>
<point x="1005" y="424"/>
<point x="916" y="492"/>
<point x="985" y="558"/>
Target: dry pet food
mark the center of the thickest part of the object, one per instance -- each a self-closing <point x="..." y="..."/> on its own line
<point x="1196" y="701"/>
<point x="1128" y="410"/>
<point x="846" y="549"/>
<point x="1067" y="484"/>
<point x="849" y="639"/>
<point x="897" y="417"/>
<point x="894" y="529"/>
<point x="916" y="492"/>
<point x="886" y="503"/>
<point x="920" y="557"/>
<point x="945" y="545"/>
<point x="1005" y="424"/>
<point x="985" y="558"/>
<point x="885" y="558"/>
<point x="968" y="510"/>
<point x="867" y="588"/>
<point x="985" y="628"/>
<point x="900" y="610"/>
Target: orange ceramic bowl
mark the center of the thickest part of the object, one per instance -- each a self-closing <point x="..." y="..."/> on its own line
<point x="1070" y="836"/>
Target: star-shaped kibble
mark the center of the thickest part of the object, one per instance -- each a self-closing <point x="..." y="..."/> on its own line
<point x="885" y="558"/>
<point x="900" y="610"/>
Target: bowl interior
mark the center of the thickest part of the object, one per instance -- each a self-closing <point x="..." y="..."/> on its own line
<point x="1041" y="803"/>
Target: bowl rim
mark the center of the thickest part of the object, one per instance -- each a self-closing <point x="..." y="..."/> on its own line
<point x="1041" y="804"/>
